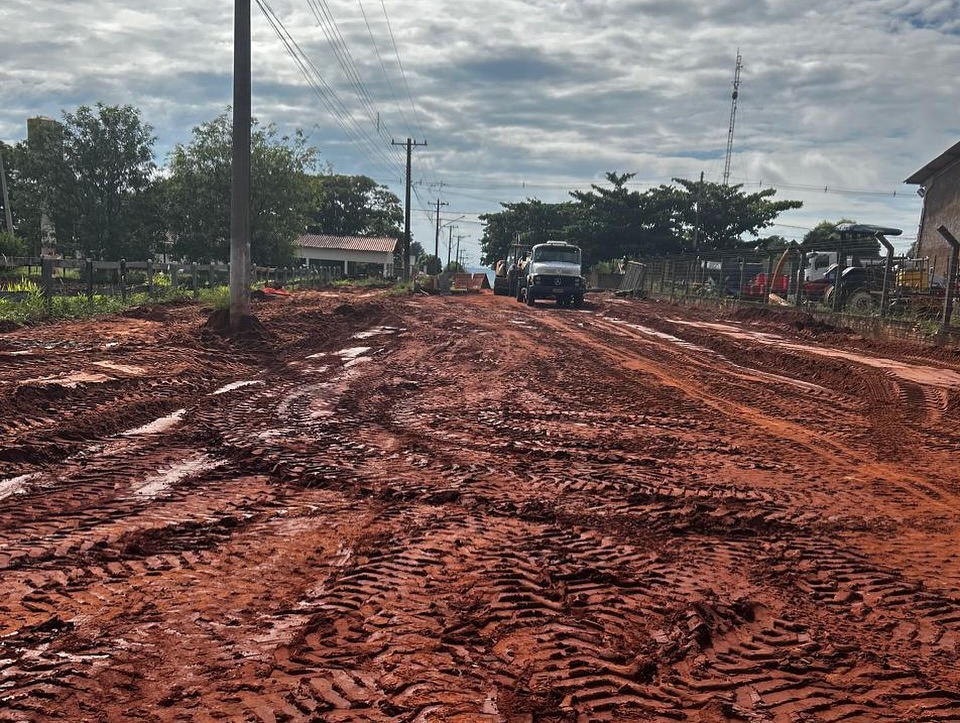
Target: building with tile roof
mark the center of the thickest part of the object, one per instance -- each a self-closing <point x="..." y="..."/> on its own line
<point x="320" y="250"/>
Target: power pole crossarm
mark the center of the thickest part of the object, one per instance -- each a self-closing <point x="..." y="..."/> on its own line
<point x="410" y="144"/>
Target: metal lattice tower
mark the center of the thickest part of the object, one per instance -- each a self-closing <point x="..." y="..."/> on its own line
<point x="733" y="120"/>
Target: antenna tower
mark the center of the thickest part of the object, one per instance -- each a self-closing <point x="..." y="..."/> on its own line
<point x="733" y="120"/>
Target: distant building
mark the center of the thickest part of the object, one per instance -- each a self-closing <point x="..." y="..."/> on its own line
<point x="939" y="186"/>
<point x="353" y="253"/>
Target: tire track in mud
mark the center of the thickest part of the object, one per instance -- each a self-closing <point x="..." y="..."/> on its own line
<point x="446" y="528"/>
<point x="876" y="411"/>
<point x="774" y="689"/>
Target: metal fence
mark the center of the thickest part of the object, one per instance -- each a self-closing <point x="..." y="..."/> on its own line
<point x="86" y="277"/>
<point x="893" y="288"/>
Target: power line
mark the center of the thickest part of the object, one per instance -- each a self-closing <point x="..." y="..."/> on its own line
<point x="383" y="67"/>
<point x="328" y="96"/>
<point x="403" y="75"/>
<point x="327" y="22"/>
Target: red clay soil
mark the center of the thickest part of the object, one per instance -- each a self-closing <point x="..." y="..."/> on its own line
<point x="458" y="509"/>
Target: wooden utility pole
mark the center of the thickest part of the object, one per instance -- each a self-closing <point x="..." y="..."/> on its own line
<point x="406" y="210"/>
<point x="240" y="191"/>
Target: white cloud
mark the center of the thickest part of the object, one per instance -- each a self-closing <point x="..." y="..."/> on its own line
<point x="530" y="98"/>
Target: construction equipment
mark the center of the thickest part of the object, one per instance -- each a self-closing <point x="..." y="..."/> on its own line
<point x="508" y="272"/>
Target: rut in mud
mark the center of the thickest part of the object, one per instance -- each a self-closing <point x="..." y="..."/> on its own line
<point x="375" y="508"/>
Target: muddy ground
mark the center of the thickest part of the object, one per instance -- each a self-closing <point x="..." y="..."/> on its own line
<point x="459" y="509"/>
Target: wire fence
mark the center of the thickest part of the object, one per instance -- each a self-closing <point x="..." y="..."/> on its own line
<point x="87" y="277"/>
<point x="894" y="289"/>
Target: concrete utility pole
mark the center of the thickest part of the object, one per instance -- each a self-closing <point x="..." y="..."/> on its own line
<point x="450" y="244"/>
<point x="406" y="211"/>
<point x="6" y="198"/>
<point x="436" y="243"/>
<point x="240" y="191"/>
<point x="460" y="236"/>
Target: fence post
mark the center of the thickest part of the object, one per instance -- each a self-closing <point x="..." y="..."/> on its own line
<point x="801" y="271"/>
<point x="887" y="271"/>
<point x="150" y="277"/>
<point x="90" y="272"/>
<point x="46" y="278"/>
<point x="194" y="281"/>
<point x="123" y="279"/>
<point x="174" y="278"/>
<point x="951" y="278"/>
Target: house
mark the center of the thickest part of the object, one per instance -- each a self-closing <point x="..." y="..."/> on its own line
<point x="939" y="186"/>
<point x="353" y="253"/>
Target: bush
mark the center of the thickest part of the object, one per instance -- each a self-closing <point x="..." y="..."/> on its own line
<point x="11" y="245"/>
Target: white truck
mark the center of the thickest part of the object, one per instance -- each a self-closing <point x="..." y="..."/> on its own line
<point x="552" y="271"/>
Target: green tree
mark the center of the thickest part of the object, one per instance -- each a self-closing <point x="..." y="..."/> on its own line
<point x="353" y="206"/>
<point x="37" y="174"/>
<point x="197" y="193"/>
<point x="715" y="217"/>
<point x="431" y="264"/>
<point x="614" y="222"/>
<point x="109" y="151"/>
<point x="85" y="174"/>
<point x="12" y="245"/>
<point x="528" y="222"/>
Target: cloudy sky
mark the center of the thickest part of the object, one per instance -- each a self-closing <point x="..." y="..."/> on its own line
<point x="838" y="102"/>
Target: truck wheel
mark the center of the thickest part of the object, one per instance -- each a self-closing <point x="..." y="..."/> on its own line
<point x="577" y="302"/>
<point x="861" y="302"/>
<point x="530" y="297"/>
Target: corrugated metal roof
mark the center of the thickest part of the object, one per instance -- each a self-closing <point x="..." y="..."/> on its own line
<point x="948" y="157"/>
<point x="470" y="282"/>
<point x="348" y="243"/>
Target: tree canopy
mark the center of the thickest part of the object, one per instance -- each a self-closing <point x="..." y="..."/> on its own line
<point x="353" y="206"/>
<point x="612" y="221"/>
<point x="197" y="192"/>
<point x="85" y="175"/>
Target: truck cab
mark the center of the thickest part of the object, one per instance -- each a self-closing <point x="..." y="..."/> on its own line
<point x="552" y="271"/>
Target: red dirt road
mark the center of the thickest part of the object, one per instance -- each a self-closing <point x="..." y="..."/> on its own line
<point x="462" y="509"/>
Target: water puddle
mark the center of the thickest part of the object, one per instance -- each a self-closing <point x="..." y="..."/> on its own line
<point x="123" y="368"/>
<point x="234" y="386"/>
<point x="157" y="426"/>
<point x="16" y="485"/>
<point x="162" y="481"/>
<point x="70" y="381"/>
<point x="916" y="373"/>
<point x="378" y="331"/>
<point x="353" y="353"/>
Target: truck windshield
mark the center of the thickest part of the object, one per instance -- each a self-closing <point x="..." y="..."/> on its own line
<point x="557" y="254"/>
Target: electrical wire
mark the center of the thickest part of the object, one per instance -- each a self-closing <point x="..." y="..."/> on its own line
<point x="328" y="96"/>
<point x="331" y="29"/>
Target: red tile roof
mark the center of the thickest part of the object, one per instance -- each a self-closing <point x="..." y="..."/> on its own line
<point x="348" y="243"/>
